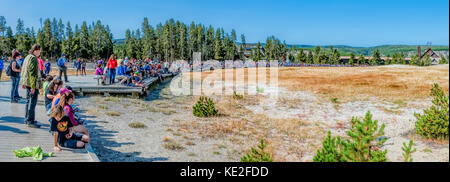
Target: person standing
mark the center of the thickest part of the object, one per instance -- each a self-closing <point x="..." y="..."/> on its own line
<point x="48" y="67"/>
<point x="112" y="64"/>
<point x="83" y="67"/>
<point x="1" y="67"/>
<point x="78" y="65"/>
<point x="62" y="67"/>
<point x="15" y="73"/>
<point x="32" y="81"/>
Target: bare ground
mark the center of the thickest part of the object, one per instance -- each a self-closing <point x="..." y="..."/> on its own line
<point x="294" y="124"/>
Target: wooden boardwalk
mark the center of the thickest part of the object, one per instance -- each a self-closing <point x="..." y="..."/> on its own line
<point x="89" y="85"/>
<point x="14" y="134"/>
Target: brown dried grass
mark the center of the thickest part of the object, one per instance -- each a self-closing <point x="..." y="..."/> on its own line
<point x="401" y="83"/>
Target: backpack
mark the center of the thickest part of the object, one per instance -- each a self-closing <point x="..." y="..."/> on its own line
<point x="8" y="70"/>
<point x="60" y="63"/>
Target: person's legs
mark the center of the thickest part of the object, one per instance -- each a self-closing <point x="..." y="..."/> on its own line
<point x="27" y="105"/>
<point x="13" y="88"/>
<point x="16" y="94"/>
<point x="80" y="144"/>
<point x="65" y="75"/>
<point x="60" y="73"/>
<point x="31" y="106"/>
<point x="114" y="75"/>
<point x="81" y="129"/>
<point x="109" y="75"/>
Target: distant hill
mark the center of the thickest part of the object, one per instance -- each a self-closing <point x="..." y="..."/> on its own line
<point x="345" y="50"/>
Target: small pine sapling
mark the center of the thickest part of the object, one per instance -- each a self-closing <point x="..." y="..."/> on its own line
<point x="362" y="146"/>
<point x="433" y="123"/>
<point x="204" y="108"/>
<point x="258" y="155"/>
<point x="407" y="151"/>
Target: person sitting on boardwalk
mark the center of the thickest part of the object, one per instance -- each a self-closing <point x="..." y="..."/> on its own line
<point x="47" y="82"/>
<point x="122" y="69"/>
<point x="56" y="98"/>
<point x="51" y="93"/>
<point x="66" y="102"/>
<point x="63" y="132"/>
<point x="99" y="72"/>
<point x="135" y="81"/>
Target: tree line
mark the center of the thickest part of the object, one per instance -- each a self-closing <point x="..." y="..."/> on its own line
<point x="172" y="40"/>
<point x="88" y="41"/>
<point x="320" y="56"/>
<point x="175" y="40"/>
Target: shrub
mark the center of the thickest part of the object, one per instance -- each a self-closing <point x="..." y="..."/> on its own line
<point x="204" y="108"/>
<point x="137" y="125"/>
<point x="331" y="150"/>
<point x="334" y="100"/>
<point x="362" y="145"/>
<point x="407" y="151"/>
<point x="257" y="155"/>
<point x="171" y="145"/>
<point x="443" y="60"/>
<point x="113" y="113"/>
<point x="237" y="96"/>
<point x="433" y="123"/>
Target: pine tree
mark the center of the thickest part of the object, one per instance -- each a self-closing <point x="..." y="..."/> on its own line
<point x="309" y="58"/>
<point x="258" y="51"/>
<point x="301" y="56"/>
<point x="68" y="43"/>
<point x="433" y="123"/>
<point x="217" y="46"/>
<point x="361" y="60"/>
<point x="336" y="57"/>
<point x="362" y="146"/>
<point x="85" y="49"/>
<point x="376" y="58"/>
<point x="316" y="57"/>
<point x="351" y="61"/>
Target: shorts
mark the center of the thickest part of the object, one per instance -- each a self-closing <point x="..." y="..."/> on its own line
<point x="72" y="142"/>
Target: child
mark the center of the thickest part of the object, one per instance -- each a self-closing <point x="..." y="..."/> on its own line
<point x="48" y="79"/>
<point x="83" y="67"/>
<point x="99" y="71"/>
<point x="51" y="93"/>
<point x="78" y="65"/>
<point x="66" y="102"/>
<point x="48" y="67"/>
<point x="63" y="131"/>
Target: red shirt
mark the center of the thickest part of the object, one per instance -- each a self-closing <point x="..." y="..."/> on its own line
<point x="112" y="64"/>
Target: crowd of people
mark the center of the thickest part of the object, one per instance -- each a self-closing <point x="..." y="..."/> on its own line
<point x="132" y="72"/>
<point x="67" y="127"/>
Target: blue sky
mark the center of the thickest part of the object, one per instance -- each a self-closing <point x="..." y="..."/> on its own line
<point x="319" y="22"/>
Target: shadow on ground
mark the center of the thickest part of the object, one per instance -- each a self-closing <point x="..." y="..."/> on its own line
<point x="102" y="141"/>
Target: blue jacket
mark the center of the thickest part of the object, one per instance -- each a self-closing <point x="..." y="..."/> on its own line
<point x="61" y="61"/>
<point x="1" y="64"/>
<point x="121" y="70"/>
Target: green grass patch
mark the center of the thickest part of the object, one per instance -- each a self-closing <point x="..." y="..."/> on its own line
<point x="113" y="113"/>
<point x="103" y="107"/>
<point x="171" y="145"/>
<point x="137" y="125"/>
